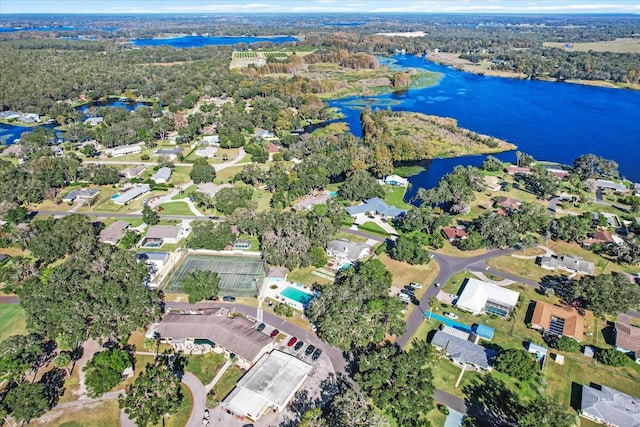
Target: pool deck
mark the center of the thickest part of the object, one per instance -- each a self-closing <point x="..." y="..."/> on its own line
<point x="276" y="293"/>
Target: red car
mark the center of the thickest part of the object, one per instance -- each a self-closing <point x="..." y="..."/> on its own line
<point x="274" y="333"/>
<point x="292" y="341"/>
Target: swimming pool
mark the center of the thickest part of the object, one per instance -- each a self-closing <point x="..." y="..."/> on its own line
<point x="333" y="193"/>
<point x="115" y="196"/>
<point x="297" y="295"/>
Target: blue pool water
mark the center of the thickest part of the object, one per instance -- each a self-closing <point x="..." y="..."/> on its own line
<point x="333" y="193"/>
<point x="448" y="321"/>
<point x="115" y="196"/>
<point x="297" y="295"/>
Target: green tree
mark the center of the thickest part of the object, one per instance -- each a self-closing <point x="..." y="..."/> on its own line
<point x="312" y="418"/>
<point x="149" y="216"/>
<point x="27" y="401"/>
<point x="104" y="371"/>
<point x="609" y="293"/>
<point x="318" y="257"/>
<point x="410" y="248"/>
<point x="202" y="171"/>
<point x="228" y="200"/>
<point x="62" y="360"/>
<point x="153" y="394"/>
<point x="492" y="164"/>
<point x="89" y="150"/>
<point x="20" y="354"/>
<point x="210" y="235"/>
<point x="544" y="411"/>
<point x="360" y="186"/>
<point x="517" y="363"/>
<point x="200" y="285"/>
<point x="16" y="215"/>
<point x="611" y="357"/>
<point x="129" y="240"/>
<point x="353" y="409"/>
<point x="567" y="344"/>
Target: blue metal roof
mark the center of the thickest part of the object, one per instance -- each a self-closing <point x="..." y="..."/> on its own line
<point x="484" y="331"/>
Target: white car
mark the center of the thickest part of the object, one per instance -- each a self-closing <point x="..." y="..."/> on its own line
<point x="451" y="315"/>
<point x="415" y="285"/>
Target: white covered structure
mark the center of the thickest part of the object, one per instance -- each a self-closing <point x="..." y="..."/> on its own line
<point x="269" y="385"/>
<point x="481" y="297"/>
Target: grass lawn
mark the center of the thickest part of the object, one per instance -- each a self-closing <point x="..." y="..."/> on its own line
<point x="351" y="237"/>
<point x="71" y="386"/>
<point x="306" y="277"/>
<point x="186" y="193"/>
<point x="404" y="273"/>
<point x="372" y="227"/>
<point x="224" y="385"/>
<point x="13" y="320"/>
<point x="181" y="416"/>
<point x="225" y="175"/>
<point x="435" y="417"/>
<point x="449" y="249"/>
<point x="95" y="414"/>
<point x="394" y="196"/>
<point x="205" y="366"/>
<point x="180" y="175"/>
<point x="522" y="267"/>
<point x="175" y="208"/>
<point x="263" y="199"/>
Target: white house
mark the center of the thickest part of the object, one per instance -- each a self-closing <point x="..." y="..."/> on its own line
<point x="162" y="176"/>
<point x="206" y="152"/>
<point x="157" y="235"/>
<point x="481" y="297"/>
<point x="346" y="251"/>
<point x="124" y="150"/>
<point x="396" y="180"/>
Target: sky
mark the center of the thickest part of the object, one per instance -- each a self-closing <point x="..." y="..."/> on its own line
<point x="319" y="6"/>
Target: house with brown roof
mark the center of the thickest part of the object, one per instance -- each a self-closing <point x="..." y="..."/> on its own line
<point x="133" y="172"/>
<point x="453" y="234"/>
<point x="599" y="237"/>
<point x="214" y="330"/>
<point x="508" y="203"/>
<point x="561" y="321"/>
<point x="627" y="336"/>
<point x="113" y="233"/>
<point x="512" y="170"/>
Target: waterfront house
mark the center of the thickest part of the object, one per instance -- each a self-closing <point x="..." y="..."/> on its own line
<point x="93" y="121"/>
<point x="605" y="184"/>
<point x="377" y="206"/>
<point x="562" y="321"/>
<point x="396" y="180"/>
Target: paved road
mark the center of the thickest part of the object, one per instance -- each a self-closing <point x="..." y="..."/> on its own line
<point x="121" y="215"/>
<point x="199" y="397"/>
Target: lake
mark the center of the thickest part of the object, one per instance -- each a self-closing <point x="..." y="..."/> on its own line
<point x="199" y="41"/>
<point x="551" y="121"/>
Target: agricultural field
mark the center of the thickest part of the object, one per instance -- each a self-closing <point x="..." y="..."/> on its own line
<point x="621" y="45"/>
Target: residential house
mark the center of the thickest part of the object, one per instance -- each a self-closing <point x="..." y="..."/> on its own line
<point x="308" y="202"/>
<point x="131" y="193"/>
<point x="206" y="152"/>
<point x="93" y="121"/>
<point x="396" y="180"/>
<point x="636" y="188"/>
<point x="481" y="297"/>
<point x="493" y="183"/>
<point x="113" y="233"/>
<point x="170" y="153"/>
<point x="610" y="407"/>
<point x="133" y="172"/>
<point x="12" y="151"/>
<point x="453" y="234"/>
<point x="562" y="321"/>
<point x="156" y="262"/>
<point x="570" y="263"/>
<point x="158" y="235"/>
<point x="347" y="252"/>
<point x="627" y="336"/>
<point x="263" y="134"/>
<point x="559" y="173"/>
<point x="29" y="118"/>
<point x="124" y="150"/>
<point x="508" y="203"/>
<point x="82" y="195"/>
<point x="512" y="170"/>
<point x="214" y="330"/>
<point x="57" y="150"/>
<point x="162" y="176"/>
<point x="463" y="352"/>
<point x="9" y="115"/>
<point x="602" y="237"/>
<point x="213" y="140"/>
<point x="268" y="387"/>
<point x="211" y="189"/>
<point x="378" y="206"/>
<point x="605" y="184"/>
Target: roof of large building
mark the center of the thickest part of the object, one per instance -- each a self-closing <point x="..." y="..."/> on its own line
<point x="114" y="232"/>
<point x="310" y="201"/>
<point x="476" y="293"/>
<point x="85" y="193"/>
<point x="627" y="335"/>
<point x="375" y="205"/>
<point x="236" y="334"/>
<point x="508" y="203"/>
<point x="605" y="183"/>
<point x="561" y="320"/>
<point x="272" y="381"/>
<point x="464" y="351"/>
<point x="611" y="406"/>
<point x="163" y="232"/>
<point x="132" y="193"/>
<point x="347" y="248"/>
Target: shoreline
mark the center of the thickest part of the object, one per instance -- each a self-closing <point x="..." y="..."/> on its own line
<point x="482" y="68"/>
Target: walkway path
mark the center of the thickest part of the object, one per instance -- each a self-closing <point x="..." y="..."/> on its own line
<point x="222" y="370"/>
<point x="547" y="252"/>
<point x="503" y="282"/>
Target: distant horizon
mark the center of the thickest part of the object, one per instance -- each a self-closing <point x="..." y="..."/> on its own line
<point x="370" y="7"/>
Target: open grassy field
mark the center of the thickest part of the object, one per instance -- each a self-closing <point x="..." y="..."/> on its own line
<point x="95" y="414"/>
<point x="621" y="45"/>
<point x="13" y="320"/>
<point x="394" y="196"/>
<point x="174" y="208"/>
<point x="306" y="277"/>
<point x="372" y="227"/>
<point x="224" y="385"/>
<point x="225" y="175"/>
<point x="404" y="273"/>
<point x="205" y="366"/>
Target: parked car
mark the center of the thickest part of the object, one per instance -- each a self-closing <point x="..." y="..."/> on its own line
<point x="228" y="298"/>
<point x="451" y="315"/>
<point x="415" y="285"/>
<point x="437" y="285"/>
<point x="409" y="292"/>
<point x="404" y="297"/>
<point x="299" y="345"/>
<point x="274" y="333"/>
<point x="310" y="349"/>
<point x="260" y="327"/>
<point x="292" y="341"/>
<point x="316" y="354"/>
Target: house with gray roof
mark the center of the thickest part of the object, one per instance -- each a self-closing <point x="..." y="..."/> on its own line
<point x="570" y="263"/>
<point x="309" y="201"/>
<point x="346" y="251"/>
<point x="158" y="235"/>
<point x="214" y="330"/>
<point x="131" y="193"/>
<point x="170" y="153"/>
<point x="610" y="185"/>
<point x="162" y="176"/>
<point x="113" y="233"/>
<point x="609" y="406"/>
<point x="93" y="121"/>
<point x="133" y="172"/>
<point x="627" y="336"/>
<point x="378" y="206"/>
<point x="461" y="351"/>
<point x="84" y="195"/>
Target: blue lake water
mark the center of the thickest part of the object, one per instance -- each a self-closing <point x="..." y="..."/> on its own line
<point x="551" y="121"/>
<point x="199" y="41"/>
<point x="113" y="103"/>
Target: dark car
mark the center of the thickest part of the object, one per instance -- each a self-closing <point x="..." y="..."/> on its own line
<point x="299" y="345"/>
<point x="292" y="341"/>
<point x="274" y="333"/>
<point x="260" y="327"/>
<point x="310" y="350"/>
<point x="228" y="298"/>
<point x="316" y="354"/>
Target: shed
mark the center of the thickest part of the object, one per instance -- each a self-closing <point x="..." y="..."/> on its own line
<point x="483" y="331"/>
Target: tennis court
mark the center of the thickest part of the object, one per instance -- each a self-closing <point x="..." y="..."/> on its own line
<point x="239" y="275"/>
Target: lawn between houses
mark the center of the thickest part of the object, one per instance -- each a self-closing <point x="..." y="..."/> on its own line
<point x="13" y="320"/>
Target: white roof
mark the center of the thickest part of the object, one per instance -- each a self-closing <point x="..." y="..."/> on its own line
<point x="396" y="178"/>
<point x="476" y="293"/>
